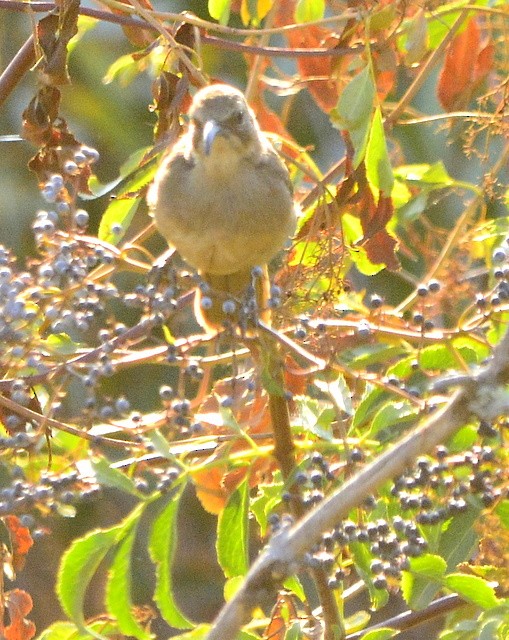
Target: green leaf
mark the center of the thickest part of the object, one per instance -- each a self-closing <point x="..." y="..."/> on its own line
<point x="380" y="634"/>
<point x="378" y="165"/>
<point x="162" y="547"/>
<point x="425" y="175"/>
<point x="62" y="631"/>
<point x="440" y="357"/>
<point x="294" y="632"/>
<point x="420" y="584"/>
<point x="309" y="10"/>
<point x="354" y="110"/>
<point x="473" y="589"/>
<point x="109" y="476"/>
<point x="198" y="633"/>
<point x="362" y="559"/>
<point x="232" y="529"/>
<point x="313" y="418"/>
<point x="502" y="510"/>
<point x="78" y="566"/>
<point x="231" y="586"/>
<point x="60" y="344"/>
<point x="118" y="590"/>
<point x="356" y="102"/>
<point x="124" y="69"/>
<point x="352" y="232"/>
<point x="117" y="218"/>
<point x="68" y="631"/>
<point x="294" y="585"/>
<point x="370" y="402"/>
<point x="393" y="413"/>
<point x="459" y="540"/>
<point x="266" y="500"/>
<point x="220" y="10"/>
<point x="134" y="173"/>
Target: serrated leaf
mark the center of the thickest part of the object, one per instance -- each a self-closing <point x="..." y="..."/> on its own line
<point x="473" y="589"/>
<point x="232" y="529"/>
<point x="378" y="165"/>
<point x="162" y="547"/>
<point x="78" y="566"/>
<point x="420" y="584"/>
<point x="118" y="590"/>
<point x="309" y="10"/>
<point x="108" y="476"/>
<point x="220" y="10"/>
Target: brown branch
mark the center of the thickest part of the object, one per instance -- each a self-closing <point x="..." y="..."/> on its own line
<point x="411" y="619"/>
<point x="16" y="69"/>
<point x="221" y="43"/>
<point x="286" y="550"/>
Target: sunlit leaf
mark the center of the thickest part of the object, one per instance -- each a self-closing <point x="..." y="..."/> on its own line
<point x="162" y="546"/>
<point x="309" y="10"/>
<point x="378" y="166"/>
<point x="220" y="10"/>
<point x="117" y="218"/>
<point x="232" y="530"/>
<point x="79" y="564"/>
<point x="118" y="590"/>
<point x="420" y="584"/>
<point x="474" y="589"/>
<point x="111" y="477"/>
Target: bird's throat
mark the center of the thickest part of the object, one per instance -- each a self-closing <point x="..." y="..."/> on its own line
<point x="223" y="160"/>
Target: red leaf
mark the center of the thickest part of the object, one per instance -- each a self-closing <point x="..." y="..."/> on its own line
<point x="21" y="541"/>
<point x="19" y="604"/>
<point x="467" y="63"/>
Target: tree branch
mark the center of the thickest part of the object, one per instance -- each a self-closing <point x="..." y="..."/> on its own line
<point x="282" y="556"/>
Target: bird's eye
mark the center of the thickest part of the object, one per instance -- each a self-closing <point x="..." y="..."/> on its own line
<point x="236" y="118"/>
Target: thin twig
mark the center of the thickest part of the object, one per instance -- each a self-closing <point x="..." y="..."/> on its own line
<point x="411" y="619"/>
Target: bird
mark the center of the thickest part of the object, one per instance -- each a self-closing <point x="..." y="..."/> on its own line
<point x="222" y="197"/>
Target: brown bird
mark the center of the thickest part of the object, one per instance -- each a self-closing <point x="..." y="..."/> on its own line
<point x="223" y="198"/>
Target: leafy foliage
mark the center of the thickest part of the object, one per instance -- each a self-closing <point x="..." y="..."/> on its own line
<point x="392" y="296"/>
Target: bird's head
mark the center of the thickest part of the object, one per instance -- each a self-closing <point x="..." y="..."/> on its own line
<point x="222" y="123"/>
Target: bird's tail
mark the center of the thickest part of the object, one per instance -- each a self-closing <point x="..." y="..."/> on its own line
<point x="237" y="299"/>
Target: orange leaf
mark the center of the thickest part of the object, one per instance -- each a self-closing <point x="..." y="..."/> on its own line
<point x="467" y="63"/>
<point x="209" y="488"/>
<point x="21" y="541"/>
<point x="19" y="604"/>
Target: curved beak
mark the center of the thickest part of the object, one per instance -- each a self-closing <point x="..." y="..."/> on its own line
<point x="210" y="131"/>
